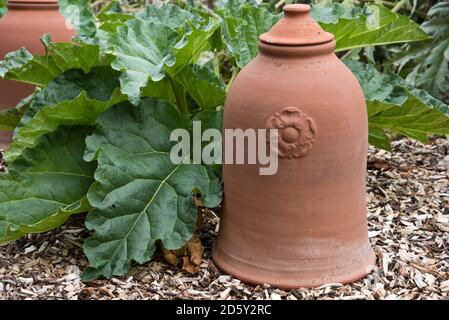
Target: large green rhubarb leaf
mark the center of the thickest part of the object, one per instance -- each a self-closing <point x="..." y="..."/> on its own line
<point x="203" y="86"/>
<point x="10" y="118"/>
<point x="242" y="24"/>
<point x="142" y="49"/>
<point x="413" y="119"/>
<point x="22" y="66"/>
<point x="168" y="14"/>
<point x="147" y="50"/>
<point x="46" y="185"/>
<point x="374" y="25"/>
<point x="139" y="195"/>
<point x="74" y="98"/>
<point x="434" y="73"/>
<point x="80" y="15"/>
<point x="393" y="106"/>
<point x="111" y="17"/>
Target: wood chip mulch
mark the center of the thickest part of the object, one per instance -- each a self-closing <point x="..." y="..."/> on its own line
<point x="408" y="216"/>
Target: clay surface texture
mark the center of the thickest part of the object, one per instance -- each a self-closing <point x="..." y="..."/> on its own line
<point x="306" y="225"/>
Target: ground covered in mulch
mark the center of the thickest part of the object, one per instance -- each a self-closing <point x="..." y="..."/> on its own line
<point x="408" y="217"/>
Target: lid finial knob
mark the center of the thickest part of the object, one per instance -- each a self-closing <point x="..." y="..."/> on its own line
<point x="296" y="28"/>
<point x="291" y="9"/>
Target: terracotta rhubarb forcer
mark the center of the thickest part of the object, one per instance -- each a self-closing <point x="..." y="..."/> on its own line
<point x="306" y="225"/>
<point x="23" y="26"/>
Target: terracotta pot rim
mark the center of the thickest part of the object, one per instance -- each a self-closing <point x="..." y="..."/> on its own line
<point x="297" y="51"/>
<point x="310" y="44"/>
<point x="33" y="1"/>
<point x="32" y="4"/>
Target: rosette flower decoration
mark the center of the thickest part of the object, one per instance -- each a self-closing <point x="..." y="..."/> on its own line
<point x="297" y="132"/>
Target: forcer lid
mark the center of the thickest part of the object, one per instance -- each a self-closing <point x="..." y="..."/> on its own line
<point x="296" y="28"/>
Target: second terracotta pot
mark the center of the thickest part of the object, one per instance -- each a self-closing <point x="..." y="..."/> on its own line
<point x="23" y="26"/>
<point x="306" y="225"/>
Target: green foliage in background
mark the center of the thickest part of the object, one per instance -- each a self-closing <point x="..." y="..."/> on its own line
<point x="80" y="15"/>
<point x="426" y="64"/>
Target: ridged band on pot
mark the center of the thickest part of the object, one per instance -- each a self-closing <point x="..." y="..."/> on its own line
<point x="306" y="225"/>
<point x="23" y="26"/>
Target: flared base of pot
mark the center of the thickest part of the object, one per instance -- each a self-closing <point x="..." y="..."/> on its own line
<point x="307" y="273"/>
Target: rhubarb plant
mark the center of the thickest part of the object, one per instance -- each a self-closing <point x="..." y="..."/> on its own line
<point x="95" y="135"/>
